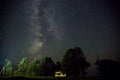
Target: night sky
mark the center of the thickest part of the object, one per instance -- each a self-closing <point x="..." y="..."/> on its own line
<point x="38" y="28"/>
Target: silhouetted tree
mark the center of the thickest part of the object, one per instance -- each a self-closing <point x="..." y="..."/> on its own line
<point x="108" y="69"/>
<point x="74" y="62"/>
<point x="22" y="67"/>
<point x="7" y="68"/>
<point x="48" y="67"/>
<point x="41" y="71"/>
<point x="58" y="66"/>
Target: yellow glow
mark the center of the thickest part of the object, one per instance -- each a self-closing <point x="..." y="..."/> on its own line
<point x="59" y="74"/>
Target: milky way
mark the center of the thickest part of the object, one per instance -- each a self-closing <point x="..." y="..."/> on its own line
<point x="43" y="26"/>
<point x="36" y="29"/>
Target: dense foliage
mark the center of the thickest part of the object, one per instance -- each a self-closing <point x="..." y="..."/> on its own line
<point x="7" y="69"/>
<point x="73" y="64"/>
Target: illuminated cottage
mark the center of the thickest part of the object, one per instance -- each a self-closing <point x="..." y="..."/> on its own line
<point x="59" y="74"/>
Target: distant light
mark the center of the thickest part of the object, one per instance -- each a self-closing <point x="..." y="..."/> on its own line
<point x="59" y="74"/>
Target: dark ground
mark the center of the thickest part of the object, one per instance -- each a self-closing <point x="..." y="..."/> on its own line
<point x="44" y="78"/>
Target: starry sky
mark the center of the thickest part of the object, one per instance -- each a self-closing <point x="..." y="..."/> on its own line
<point x="38" y="28"/>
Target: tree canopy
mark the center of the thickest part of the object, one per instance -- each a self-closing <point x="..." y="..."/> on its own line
<point x="34" y="68"/>
<point x="74" y="62"/>
<point x="22" y="67"/>
<point x="7" y="68"/>
<point x="48" y="67"/>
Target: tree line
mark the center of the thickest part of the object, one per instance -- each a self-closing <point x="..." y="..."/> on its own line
<point x="46" y="67"/>
<point x="73" y="63"/>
